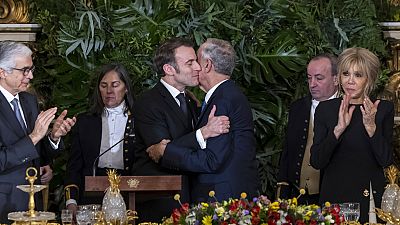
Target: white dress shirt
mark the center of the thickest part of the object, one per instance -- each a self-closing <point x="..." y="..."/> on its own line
<point x="113" y="126"/>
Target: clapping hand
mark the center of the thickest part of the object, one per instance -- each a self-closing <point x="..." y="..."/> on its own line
<point x="368" y="111"/>
<point x="344" y="118"/>
<point x="42" y="124"/>
<point x="62" y="126"/>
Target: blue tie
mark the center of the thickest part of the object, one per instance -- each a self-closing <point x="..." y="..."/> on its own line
<point x="18" y="113"/>
<point x="203" y="106"/>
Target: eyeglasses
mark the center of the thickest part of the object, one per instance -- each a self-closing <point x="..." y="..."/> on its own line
<point x="25" y="70"/>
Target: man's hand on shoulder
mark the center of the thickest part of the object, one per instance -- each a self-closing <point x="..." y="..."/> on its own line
<point x="216" y="125"/>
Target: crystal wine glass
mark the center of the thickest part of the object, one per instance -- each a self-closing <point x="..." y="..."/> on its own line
<point x="351" y="211"/>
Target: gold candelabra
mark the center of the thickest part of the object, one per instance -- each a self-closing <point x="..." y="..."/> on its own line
<point x="31" y="216"/>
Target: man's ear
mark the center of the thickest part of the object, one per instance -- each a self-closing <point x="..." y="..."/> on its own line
<point x="208" y="65"/>
<point x="169" y="70"/>
<point x="2" y="73"/>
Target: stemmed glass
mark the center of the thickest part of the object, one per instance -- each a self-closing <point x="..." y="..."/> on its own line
<point x="351" y="211"/>
<point x="83" y="217"/>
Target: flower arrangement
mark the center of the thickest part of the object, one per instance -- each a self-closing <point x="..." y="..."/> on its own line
<point x="258" y="211"/>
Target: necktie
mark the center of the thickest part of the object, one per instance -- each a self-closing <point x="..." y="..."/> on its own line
<point x="203" y="106"/>
<point x="182" y="101"/>
<point x="18" y="113"/>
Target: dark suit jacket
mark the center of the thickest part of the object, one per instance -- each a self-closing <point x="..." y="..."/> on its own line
<point x="354" y="161"/>
<point x="86" y="147"/>
<point x="158" y="116"/>
<point x="228" y="165"/>
<point x="294" y="147"/>
<point x="17" y="153"/>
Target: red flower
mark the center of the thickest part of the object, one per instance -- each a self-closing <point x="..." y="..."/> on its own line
<point x="289" y="219"/>
<point x="243" y="204"/>
<point x="255" y="220"/>
<point x="300" y="222"/>
<point x="276" y="215"/>
<point x="185" y="208"/>
<point x="233" y="206"/>
<point x="313" y="222"/>
<point x="176" y="215"/>
<point x="271" y="221"/>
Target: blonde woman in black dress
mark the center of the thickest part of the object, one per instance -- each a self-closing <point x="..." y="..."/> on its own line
<point x="353" y="135"/>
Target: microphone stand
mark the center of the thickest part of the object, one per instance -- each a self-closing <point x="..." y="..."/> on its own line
<point x="98" y="157"/>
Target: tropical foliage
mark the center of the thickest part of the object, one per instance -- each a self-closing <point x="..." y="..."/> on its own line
<point x="273" y="39"/>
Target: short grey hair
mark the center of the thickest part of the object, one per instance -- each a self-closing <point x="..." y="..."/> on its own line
<point x="9" y="50"/>
<point x="221" y="53"/>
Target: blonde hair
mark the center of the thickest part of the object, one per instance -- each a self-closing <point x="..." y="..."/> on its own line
<point x="366" y="61"/>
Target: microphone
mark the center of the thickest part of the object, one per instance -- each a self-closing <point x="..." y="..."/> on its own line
<point x="131" y="134"/>
<point x="107" y="150"/>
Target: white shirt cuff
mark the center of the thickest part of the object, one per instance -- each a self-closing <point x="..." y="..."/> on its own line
<point x="70" y="201"/>
<point x="54" y="145"/>
<point x="200" y="139"/>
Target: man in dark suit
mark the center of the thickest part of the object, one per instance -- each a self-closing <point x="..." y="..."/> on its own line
<point x="167" y="112"/>
<point x="24" y="138"/>
<point x="295" y="171"/>
<point x="227" y="163"/>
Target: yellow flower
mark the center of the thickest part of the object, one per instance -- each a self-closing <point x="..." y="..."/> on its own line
<point x="207" y="220"/>
<point x="327" y="204"/>
<point x="243" y="195"/>
<point x="177" y="197"/>
<point x="293" y="203"/>
<point x="302" y="192"/>
<point x="168" y="221"/>
<point x="274" y="206"/>
<point x="204" y="205"/>
<point x="211" y="194"/>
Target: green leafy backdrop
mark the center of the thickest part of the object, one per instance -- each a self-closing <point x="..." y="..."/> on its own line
<point x="274" y="39"/>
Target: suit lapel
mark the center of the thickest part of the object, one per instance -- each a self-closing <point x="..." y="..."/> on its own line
<point x="28" y="114"/>
<point x="170" y="101"/>
<point x="206" y="110"/>
<point x="194" y="110"/>
<point x="204" y="114"/>
<point x="9" y="116"/>
<point x="97" y="132"/>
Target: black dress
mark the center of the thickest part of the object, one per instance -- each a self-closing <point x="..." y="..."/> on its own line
<point x="354" y="161"/>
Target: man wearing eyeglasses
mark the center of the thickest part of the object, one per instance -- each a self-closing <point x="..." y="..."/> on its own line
<point x="24" y="136"/>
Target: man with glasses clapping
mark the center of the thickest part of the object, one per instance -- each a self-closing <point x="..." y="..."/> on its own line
<point x="24" y="136"/>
